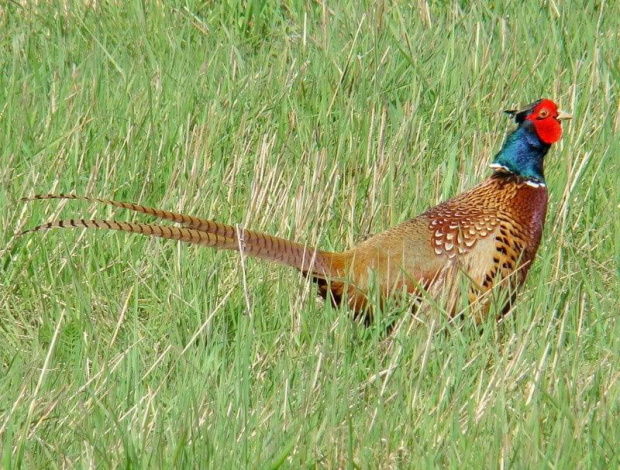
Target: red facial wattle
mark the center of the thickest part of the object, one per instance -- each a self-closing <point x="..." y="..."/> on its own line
<point x="544" y="117"/>
<point x="549" y="130"/>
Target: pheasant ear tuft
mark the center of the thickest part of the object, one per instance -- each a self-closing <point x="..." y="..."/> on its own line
<point x="519" y="115"/>
<point x="511" y="112"/>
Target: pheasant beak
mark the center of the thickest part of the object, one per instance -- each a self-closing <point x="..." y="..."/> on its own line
<point x="563" y="115"/>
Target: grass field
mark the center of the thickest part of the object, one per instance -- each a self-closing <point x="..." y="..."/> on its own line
<point x="323" y="122"/>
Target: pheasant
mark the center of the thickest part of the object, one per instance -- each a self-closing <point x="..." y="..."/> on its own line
<point x="488" y="235"/>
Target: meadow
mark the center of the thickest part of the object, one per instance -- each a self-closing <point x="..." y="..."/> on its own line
<point x="322" y="122"/>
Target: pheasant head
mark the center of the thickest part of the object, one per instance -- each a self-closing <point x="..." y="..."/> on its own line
<point x="524" y="150"/>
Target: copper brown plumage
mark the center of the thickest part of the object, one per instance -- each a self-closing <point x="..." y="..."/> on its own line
<point x="490" y="234"/>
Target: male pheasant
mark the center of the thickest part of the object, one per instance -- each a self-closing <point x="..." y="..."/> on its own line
<point x="489" y="234"/>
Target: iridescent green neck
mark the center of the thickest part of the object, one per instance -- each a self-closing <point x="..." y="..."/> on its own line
<point x="523" y="154"/>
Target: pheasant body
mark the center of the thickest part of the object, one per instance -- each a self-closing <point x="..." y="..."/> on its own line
<point x="490" y="233"/>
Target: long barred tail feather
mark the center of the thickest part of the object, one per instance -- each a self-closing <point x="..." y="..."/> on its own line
<point x="207" y="232"/>
<point x="204" y="225"/>
<point x="195" y="237"/>
<point x="187" y="220"/>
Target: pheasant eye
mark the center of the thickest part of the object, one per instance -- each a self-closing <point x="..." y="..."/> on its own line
<point x="543" y="114"/>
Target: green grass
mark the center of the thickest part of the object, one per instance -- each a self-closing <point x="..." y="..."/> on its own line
<point x="322" y="123"/>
